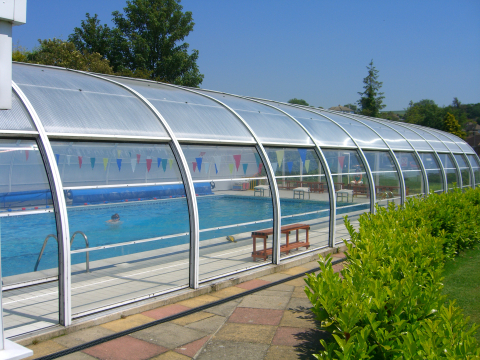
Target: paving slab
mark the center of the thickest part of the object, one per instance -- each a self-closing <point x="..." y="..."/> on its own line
<point x="209" y="325"/>
<point x="280" y="287"/>
<point x="298" y="319"/>
<point x="246" y="333"/>
<point x="219" y="349"/>
<point x="164" y="311"/>
<point x="45" y="348"/>
<point x="192" y="348"/>
<point x="265" y="302"/>
<point x="125" y="348"/>
<point x="224" y="309"/>
<point x="278" y="352"/>
<point x="192" y="318"/>
<point x="256" y="316"/>
<point x="170" y="355"/>
<point x="289" y="336"/>
<point x="252" y="284"/>
<point x="127" y="323"/>
<point x="296" y="282"/>
<point x="295" y="270"/>
<point x="83" y="336"/>
<point x="274" y="277"/>
<point x="198" y="301"/>
<point x="77" y="356"/>
<point x="299" y="304"/>
<point x="299" y="292"/>
<point x="227" y="292"/>
<point x="169" y="335"/>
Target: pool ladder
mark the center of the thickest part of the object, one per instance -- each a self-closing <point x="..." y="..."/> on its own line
<point x="87" y="257"/>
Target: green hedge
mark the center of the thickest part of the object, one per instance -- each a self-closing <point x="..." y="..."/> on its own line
<point x="389" y="304"/>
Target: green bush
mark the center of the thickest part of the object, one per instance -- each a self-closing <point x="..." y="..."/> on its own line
<point x="387" y="304"/>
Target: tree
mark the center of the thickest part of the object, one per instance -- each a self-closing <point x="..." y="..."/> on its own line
<point x="371" y="100"/>
<point x="426" y="113"/>
<point x="61" y="53"/>
<point x="351" y="106"/>
<point x="298" y="102"/>
<point x="452" y="126"/>
<point x="146" y="41"/>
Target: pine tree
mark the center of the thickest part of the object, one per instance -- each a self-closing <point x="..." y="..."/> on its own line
<point x="371" y="101"/>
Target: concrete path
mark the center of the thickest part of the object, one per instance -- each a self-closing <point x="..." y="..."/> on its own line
<point x="275" y="323"/>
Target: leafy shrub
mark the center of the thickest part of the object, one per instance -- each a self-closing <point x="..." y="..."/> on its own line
<point x="389" y="304"/>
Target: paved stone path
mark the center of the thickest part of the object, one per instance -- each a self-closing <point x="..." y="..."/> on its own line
<point x="275" y="323"/>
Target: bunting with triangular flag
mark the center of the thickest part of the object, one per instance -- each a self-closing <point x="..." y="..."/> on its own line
<point x="230" y="166"/>
<point x="303" y="155"/>
<point x="149" y="164"/>
<point x="237" y="160"/>
<point x="280" y="154"/>
<point x="80" y="160"/>
<point x="194" y="166"/>
<point x="92" y="162"/>
<point x="341" y="160"/>
<point x="170" y="163"/>
<point x="216" y="169"/>
<point x="307" y="165"/>
<point x="218" y="161"/>
<point x="159" y="161"/>
<point x="257" y="159"/>
<point x="290" y="165"/>
<point x="245" y="168"/>
<point x="26" y="155"/>
<point x="105" y="163"/>
<point x="164" y="164"/>
<point x="119" y="164"/>
<point x="138" y="158"/>
<point x="274" y="167"/>
<point x="206" y="166"/>
<point x="199" y="163"/>
<point x="57" y="157"/>
<point x="118" y="153"/>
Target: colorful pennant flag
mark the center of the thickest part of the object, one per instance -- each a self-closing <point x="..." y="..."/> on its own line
<point x="280" y="154"/>
<point x="341" y="159"/>
<point x="206" y="166"/>
<point x="118" y="153"/>
<point x="80" y="161"/>
<point x="133" y="162"/>
<point x="199" y="163"/>
<point x="260" y="168"/>
<point x="26" y="155"/>
<point x="149" y="164"/>
<point x="138" y="158"/>
<point x="194" y="166"/>
<point x="218" y="161"/>
<point x="307" y="165"/>
<point x="202" y="153"/>
<point x="92" y="162"/>
<point x="303" y="155"/>
<point x="257" y="159"/>
<point x="119" y="164"/>
<point x="230" y="166"/>
<point x="216" y="169"/>
<point x="164" y="164"/>
<point x="105" y="163"/>
<point x="159" y="161"/>
<point x="57" y="157"/>
<point x="237" y="160"/>
<point x="245" y="168"/>
<point x="290" y="165"/>
<point x="170" y="163"/>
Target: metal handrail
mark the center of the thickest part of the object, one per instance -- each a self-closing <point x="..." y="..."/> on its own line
<point x="87" y="260"/>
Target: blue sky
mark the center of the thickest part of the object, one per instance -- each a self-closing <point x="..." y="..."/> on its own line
<point x="315" y="50"/>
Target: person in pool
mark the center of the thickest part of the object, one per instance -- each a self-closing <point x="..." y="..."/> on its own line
<point x="115" y="219"/>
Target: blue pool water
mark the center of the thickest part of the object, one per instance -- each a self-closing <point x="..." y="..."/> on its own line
<point x="22" y="236"/>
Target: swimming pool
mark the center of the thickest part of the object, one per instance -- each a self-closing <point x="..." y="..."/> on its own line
<point x="23" y="236"/>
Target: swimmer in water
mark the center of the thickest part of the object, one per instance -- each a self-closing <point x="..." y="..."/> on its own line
<point x="115" y="219"/>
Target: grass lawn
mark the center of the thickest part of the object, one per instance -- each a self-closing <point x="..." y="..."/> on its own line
<point x="462" y="283"/>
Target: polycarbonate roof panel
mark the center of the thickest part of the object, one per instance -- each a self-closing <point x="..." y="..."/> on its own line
<point x="190" y="115"/>
<point x="447" y="161"/>
<point x="393" y="139"/>
<point x="70" y="102"/>
<point x="460" y="161"/>
<point x="415" y="140"/>
<point x="447" y="141"/>
<point x="362" y="134"/>
<point x="462" y="144"/>
<point x="432" y="140"/>
<point x="322" y="130"/>
<point x="270" y="125"/>
<point x="17" y="118"/>
<point x="473" y="161"/>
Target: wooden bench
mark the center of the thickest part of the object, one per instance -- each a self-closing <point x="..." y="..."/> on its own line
<point x="287" y="229"/>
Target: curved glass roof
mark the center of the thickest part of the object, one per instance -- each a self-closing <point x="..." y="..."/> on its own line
<point x="17" y="118"/>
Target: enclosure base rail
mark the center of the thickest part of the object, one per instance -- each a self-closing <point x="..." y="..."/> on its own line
<point x="87" y="257"/>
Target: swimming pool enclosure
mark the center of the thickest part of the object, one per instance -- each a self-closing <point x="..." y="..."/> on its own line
<point x="191" y="174"/>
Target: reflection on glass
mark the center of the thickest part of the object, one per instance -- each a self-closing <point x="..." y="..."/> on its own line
<point x="128" y="200"/>
<point x="304" y="198"/>
<point x="476" y="167"/>
<point x="27" y="225"/>
<point x="464" y="170"/>
<point x="385" y="176"/>
<point x="450" y="170"/>
<point x="239" y="203"/>
<point x="352" y="191"/>
<point x="412" y="174"/>
<point x="434" y="176"/>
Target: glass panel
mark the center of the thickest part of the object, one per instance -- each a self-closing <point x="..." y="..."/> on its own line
<point x="462" y="144"/>
<point x="476" y="167"/>
<point x="240" y="203"/>
<point x="460" y="161"/>
<point x="27" y="224"/>
<point x="352" y="190"/>
<point x="432" y="140"/>
<point x="434" y="176"/>
<point x="69" y="102"/>
<point x="362" y="134"/>
<point x="118" y="194"/>
<point x="303" y="197"/>
<point x="269" y="125"/>
<point x="447" y="161"/>
<point x="446" y="139"/>
<point x="412" y="174"/>
<point x="17" y="118"/>
<point x="322" y="130"/>
<point x="394" y="140"/>
<point x="385" y="177"/>
<point x="415" y="140"/>
<point x="464" y="170"/>
<point x="191" y="116"/>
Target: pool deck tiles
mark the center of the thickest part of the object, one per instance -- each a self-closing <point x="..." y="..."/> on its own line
<point x="276" y="324"/>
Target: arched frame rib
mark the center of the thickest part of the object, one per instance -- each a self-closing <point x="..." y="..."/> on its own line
<point x="61" y="216"/>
